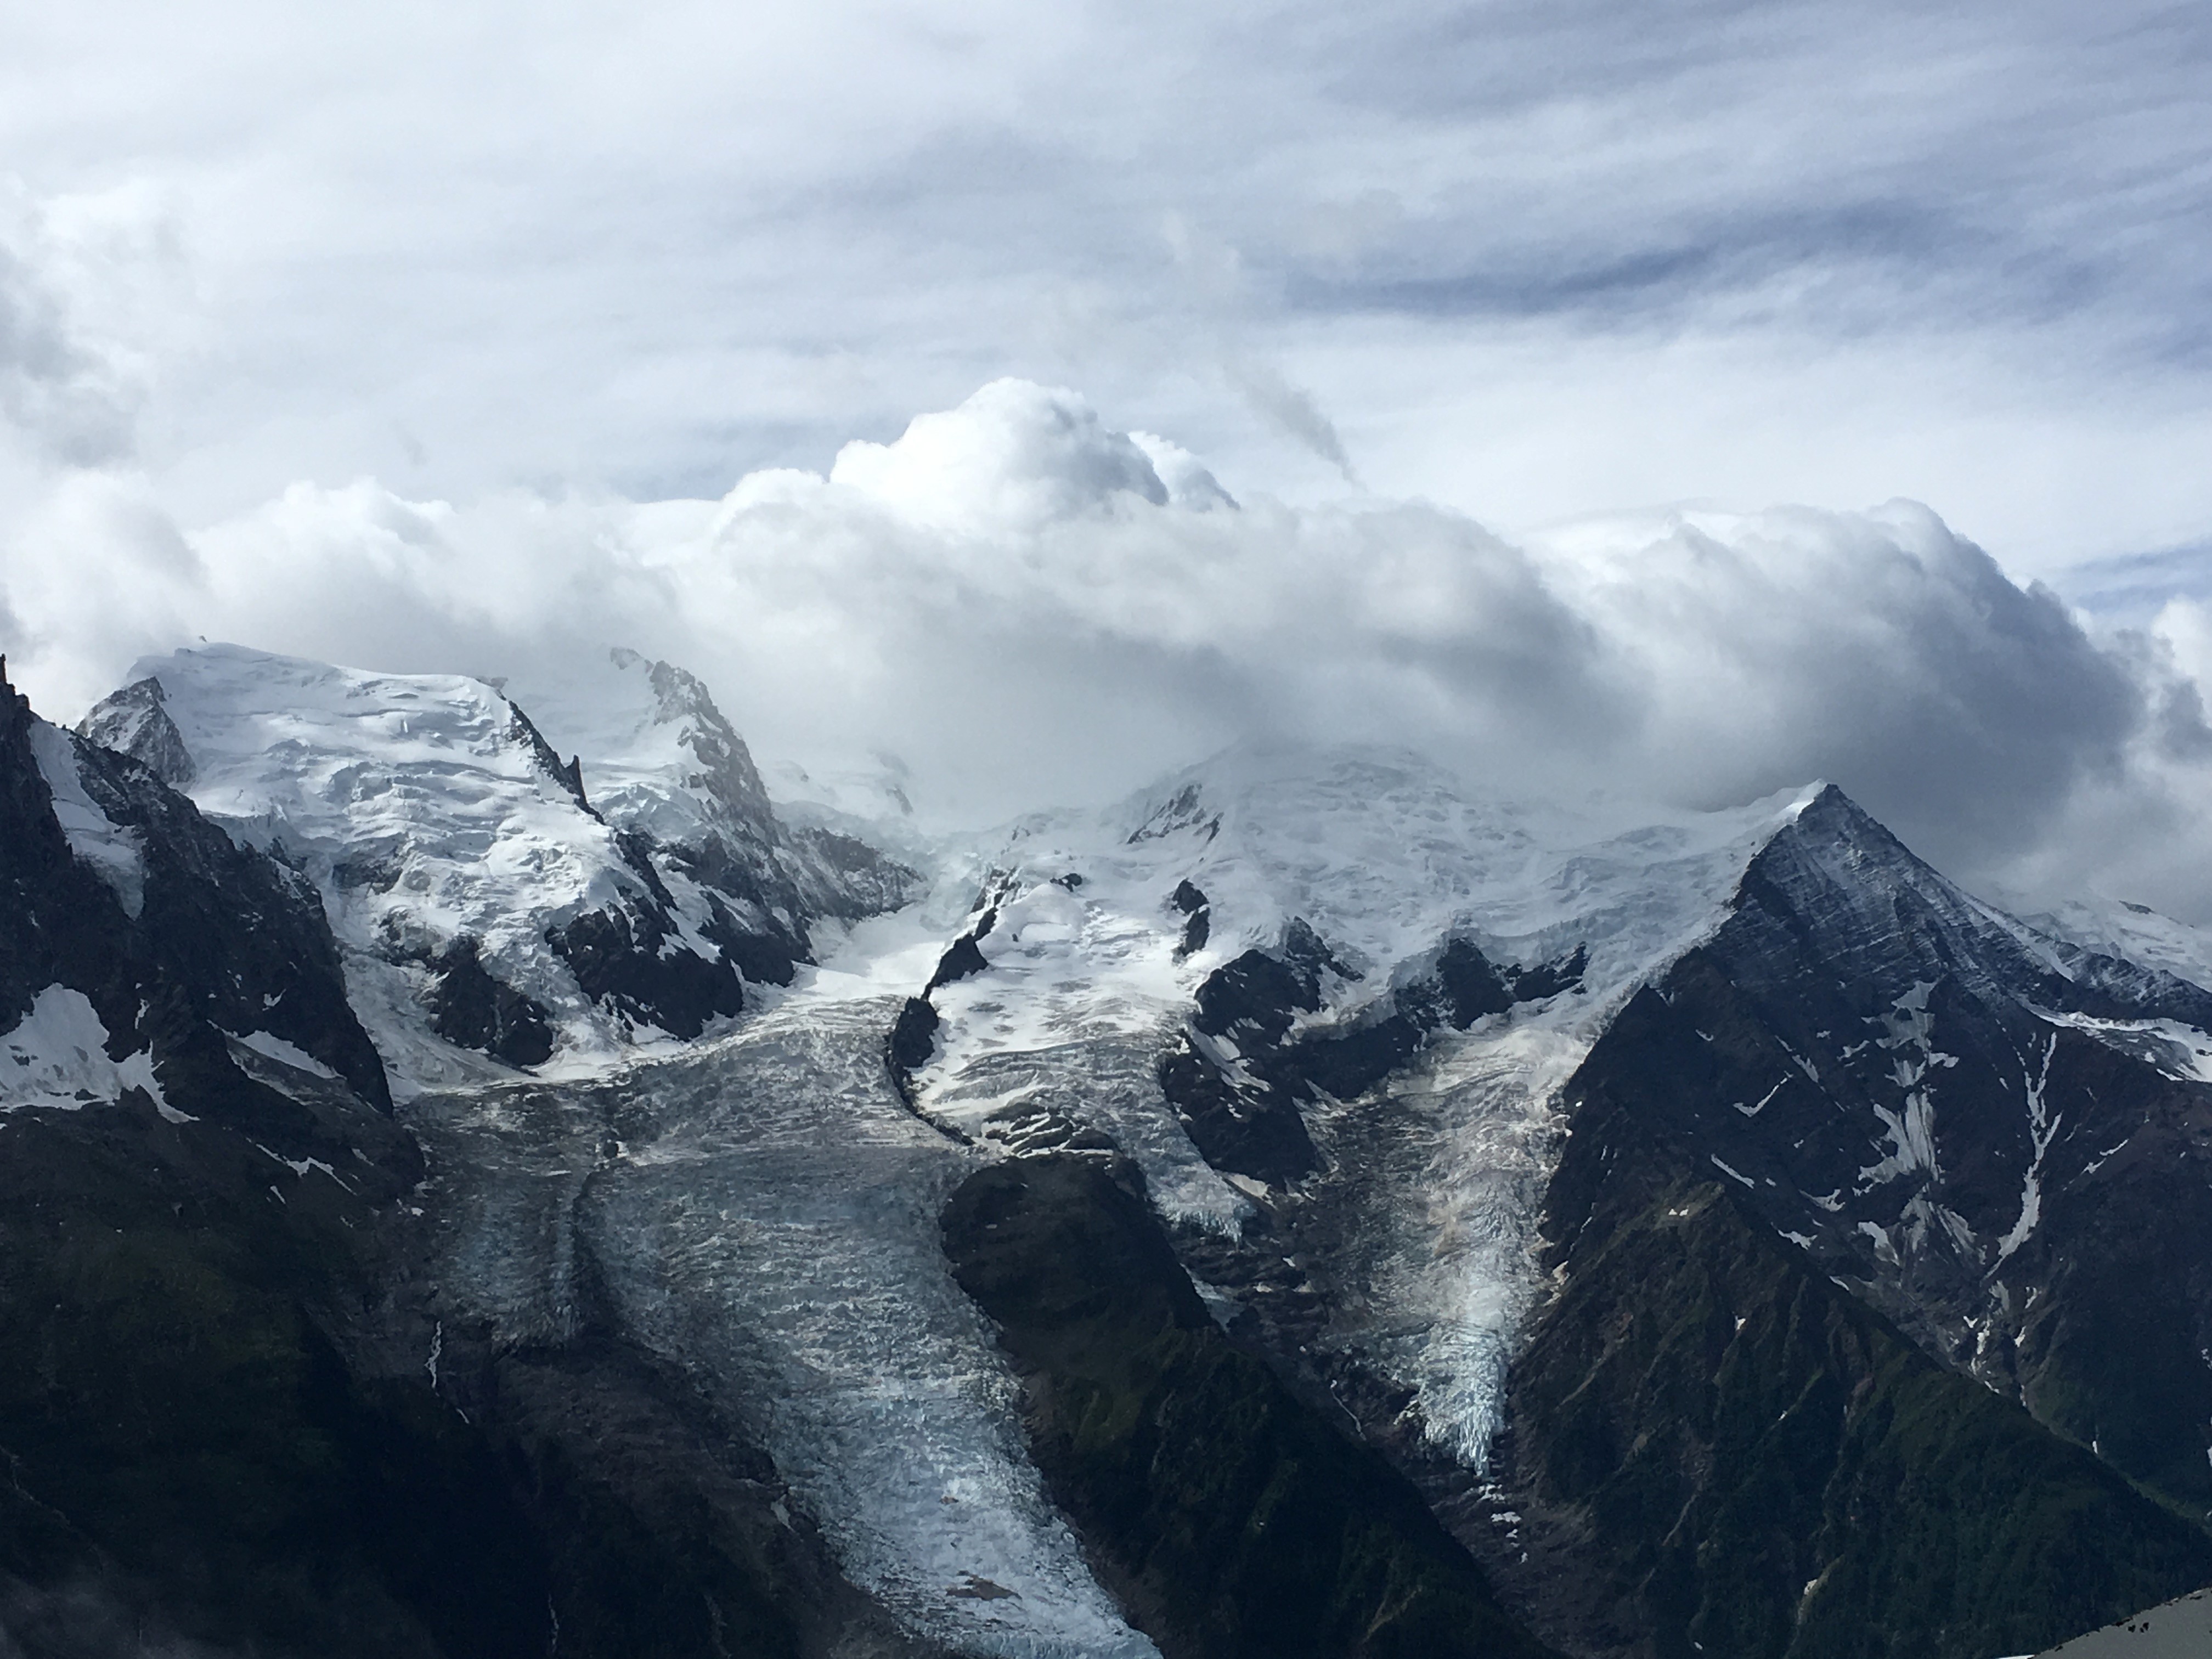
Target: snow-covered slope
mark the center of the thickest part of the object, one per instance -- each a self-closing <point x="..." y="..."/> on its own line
<point x="501" y="906"/>
<point x="1096" y="936"/>
<point x="2132" y="932"/>
<point x="140" y="952"/>
<point x="482" y="904"/>
<point x="1331" y="1004"/>
<point x="662" y="761"/>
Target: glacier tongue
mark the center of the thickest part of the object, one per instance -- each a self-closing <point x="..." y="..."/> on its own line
<point x="762" y="1211"/>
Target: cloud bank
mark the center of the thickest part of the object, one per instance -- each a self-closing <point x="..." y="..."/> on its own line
<point x="1030" y="606"/>
<point x="1525" y="257"/>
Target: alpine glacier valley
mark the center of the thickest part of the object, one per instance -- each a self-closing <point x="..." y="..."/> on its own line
<point x="958" y="830"/>
<point x="481" y="1174"/>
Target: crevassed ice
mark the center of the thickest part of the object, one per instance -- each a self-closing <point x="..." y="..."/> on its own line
<point x="768" y="1220"/>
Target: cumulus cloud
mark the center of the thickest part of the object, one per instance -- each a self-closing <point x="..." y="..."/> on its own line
<point x="1029" y="605"/>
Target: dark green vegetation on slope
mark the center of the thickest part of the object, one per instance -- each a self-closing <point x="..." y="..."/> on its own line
<point x="1716" y="1450"/>
<point x="186" y="1452"/>
<point x="1230" y="1519"/>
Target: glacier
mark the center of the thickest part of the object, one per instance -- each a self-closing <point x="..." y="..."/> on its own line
<point x="756" y="1202"/>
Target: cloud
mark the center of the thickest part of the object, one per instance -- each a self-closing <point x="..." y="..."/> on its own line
<point x="1524" y="260"/>
<point x="1030" y="606"/>
<point x="1014" y="456"/>
<point x="68" y="390"/>
<point x="1878" y="648"/>
<point x="1291" y="410"/>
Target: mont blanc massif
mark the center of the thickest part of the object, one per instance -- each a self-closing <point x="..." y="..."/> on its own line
<point x="481" y="1174"/>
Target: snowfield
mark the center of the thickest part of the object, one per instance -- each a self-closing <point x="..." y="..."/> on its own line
<point x="424" y="810"/>
<point x="55" y="1056"/>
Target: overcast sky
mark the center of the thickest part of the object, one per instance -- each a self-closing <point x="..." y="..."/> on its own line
<point x="1389" y="273"/>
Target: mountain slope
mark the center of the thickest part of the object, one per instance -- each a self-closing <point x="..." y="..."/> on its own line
<point x="1388" y="1047"/>
<point x="664" y="763"/>
<point x="1307" y="1207"/>
<point x="1713" y="1448"/>
<point x="1997" y="1138"/>
<point x="226" y="1398"/>
<point x="1232" y="1519"/>
<point x="485" y="902"/>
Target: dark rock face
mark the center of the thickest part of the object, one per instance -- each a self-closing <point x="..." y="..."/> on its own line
<point x="1865" y="1096"/>
<point x="223" y="939"/>
<point x="570" y="777"/>
<point x="1471" y="986"/>
<point x="618" y="960"/>
<point x="964" y="957"/>
<point x="1229" y="1518"/>
<point x="1546" y="979"/>
<point x="866" y="881"/>
<point x="133" y="722"/>
<point x="1185" y="810"/>
<point x="194" y="1459"/>
<point x="471" y="1008"/>
<point x="2006" y="1159"/>
<point x="222" y="1429"/>
<point x="913" y="1038"/>
<point x="1236" y="1080"/>
<point x="1198" y="919"/>
<point x="1715" y="1445"/>
<point x="1714" y="1448"/>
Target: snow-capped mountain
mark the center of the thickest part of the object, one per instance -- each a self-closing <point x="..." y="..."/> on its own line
<point x="489" y="907"/>
<point x="1208" y="975"/>
<point x="664" y="763"/>
<point x="1350" y="1024"/>
<point x="146" y="954"/>
<point x="1310" y="1206"/>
